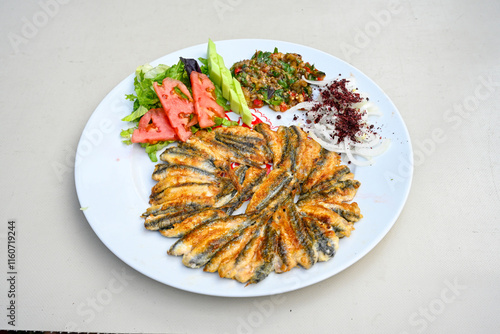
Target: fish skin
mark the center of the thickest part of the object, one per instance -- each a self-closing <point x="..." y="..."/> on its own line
<point x="308" y="153"/>
<point x="336" y="174"/>
<point x="296" y="138"/>
<point x="210" y="244"/>
<point x="325" y="240"/>
<point x="177" y="204"/>
<point x="164" y="171"/>
<point x="341" y="191"/>
<point x="288" y="152"/>
<point x="202" y="142"/>
<point x="308" y="256"/>
<point x="248" y="143"/>
<point x="186" y="156"/>
<point x="273" y="141"/>
<point x="183" y="178"/>
<point x="348" y="211"/>
<point x="172" y="207"/>
<point x="186" y="190"/>
<point x="288" y="193"/>
<point x="275" y="183"/>
<point x="163" y="221"/>
<point x="341" y="226"/>
<point x="229" y="252"/>
<point x="227" y="192"/>
<point x="287" y="244"/>
<point x="252" y="178"/>
<point x="244" y="265"/>
<point x="265" y="265"/>
<point x="187" y="225"/>
<point x="294" y="245"/>
<point x="206" y="142"/>
<point x="322" y="169"/>
<point x="205" y="233"/>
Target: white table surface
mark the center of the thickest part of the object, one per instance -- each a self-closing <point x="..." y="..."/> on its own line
<point x="436" y="271"/>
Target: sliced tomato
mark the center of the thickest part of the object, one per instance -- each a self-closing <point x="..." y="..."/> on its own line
<point x="178" y="105"/>
<point x="205" y="105"/>
<point x="153" y="127"/>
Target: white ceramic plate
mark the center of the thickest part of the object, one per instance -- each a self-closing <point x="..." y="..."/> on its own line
<point x="113" y="183"/>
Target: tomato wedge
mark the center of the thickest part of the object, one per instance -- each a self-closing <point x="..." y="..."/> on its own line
<point x="153" y="127"/>
<point x="205" y="105"/>
<point x="178" y="108"/>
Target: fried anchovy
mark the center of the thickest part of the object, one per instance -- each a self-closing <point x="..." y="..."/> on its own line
<point x="178" y="155"/>
<point x="166" y="220"/>
<point x="307" y="255"/>
<point x="322" y="169"/>
<point x="338" y="173"/>
<point x="179" y="179"/>
<point x="325" y="241"/>
<point x="342" y="191"/>
<point x="164" y="171"/>
<point x="288" y="151"/>
<point x="205" y="141"/>
<point x="252" y="178"/>
<point x="226" y="193"/>
<point x="173" y="206"/>
<point x="186" y="190"/>
<point x="182" y="228"/>
<point x="249" y="143"/>
<point x="227" y="254"/>
<point x="265" y="258"/>
<point x="244" y="266"/>
<point x="341" y="226"/>
<point x="308" y="153"/>
<point x="276" y="183"/>
<point x="274" y="142"/>
<point x="199" y="245"/>
<point x="348" y="211"/>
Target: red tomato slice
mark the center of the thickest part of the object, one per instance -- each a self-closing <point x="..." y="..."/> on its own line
<point x="177" y="107"/>
<point x="205" y="106"/>
<point x="153" y="127"/>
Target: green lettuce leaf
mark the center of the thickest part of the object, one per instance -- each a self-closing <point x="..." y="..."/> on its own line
<point x="127" y="135"/>
<point x="136" y="115"/>
<point x="151" y="149"/>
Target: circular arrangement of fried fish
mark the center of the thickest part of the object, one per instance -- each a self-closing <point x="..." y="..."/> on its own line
<point x="199" y="188"/>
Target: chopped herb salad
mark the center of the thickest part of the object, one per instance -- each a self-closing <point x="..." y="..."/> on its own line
<point x="275" y="79"/>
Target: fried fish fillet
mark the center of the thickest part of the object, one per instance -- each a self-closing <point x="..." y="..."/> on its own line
<point x="199" y="187"/>
<point x="198" y="246"/>
<point x="187" y="225"/>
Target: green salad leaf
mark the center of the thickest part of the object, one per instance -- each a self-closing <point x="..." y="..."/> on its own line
<point x="145" y="99"/>
<point x="151" y="149"/>
<point x="136" y="115"/>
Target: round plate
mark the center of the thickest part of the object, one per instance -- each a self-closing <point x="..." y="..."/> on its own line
<point x="113" y="182"/>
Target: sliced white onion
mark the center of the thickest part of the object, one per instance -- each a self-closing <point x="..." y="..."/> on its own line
<point x="317" y="83"/>
<point x="368" y="144"/>
<point x="375" y="150"/>
<point x="303" y="105"/>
